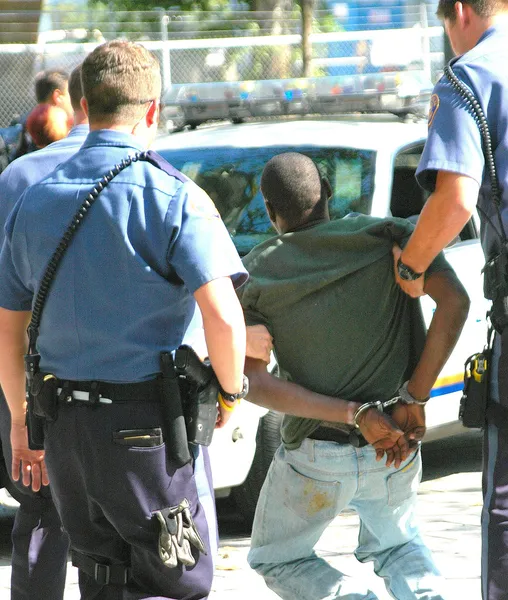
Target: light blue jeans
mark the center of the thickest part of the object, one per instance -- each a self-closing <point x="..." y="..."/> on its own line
<point x="306" y="489"/>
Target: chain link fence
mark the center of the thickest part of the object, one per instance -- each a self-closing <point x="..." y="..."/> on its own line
<point x="234" y="58"/>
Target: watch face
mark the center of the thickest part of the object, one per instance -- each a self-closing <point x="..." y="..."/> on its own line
<point x="406" y="272"/>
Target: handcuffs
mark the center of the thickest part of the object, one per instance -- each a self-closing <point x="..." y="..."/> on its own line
<point x="403" y="396"/>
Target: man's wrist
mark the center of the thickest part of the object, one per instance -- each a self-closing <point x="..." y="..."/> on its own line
<point x="227" y="405"/>
<point x="410" y="394"/>
<point x="412" y="262"/>
<point x="233" y="397"/>
<point x="18" y="420"/>
<point x="363" y="409"/>
<point x="350" y="412"/>
<point x="406" y="273"/>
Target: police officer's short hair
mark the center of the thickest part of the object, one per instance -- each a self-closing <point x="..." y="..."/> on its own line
<point x="119" y="78"/>
<point x="291" y="184"/>
<point x="483" y="8"/>
<point x="75" y="88"/>
<point x="46" y="82"/>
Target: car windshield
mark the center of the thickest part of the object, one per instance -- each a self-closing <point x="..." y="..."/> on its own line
<point x="231" y="177"/>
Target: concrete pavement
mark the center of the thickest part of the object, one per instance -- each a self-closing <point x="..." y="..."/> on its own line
<point x="449" y="512"/>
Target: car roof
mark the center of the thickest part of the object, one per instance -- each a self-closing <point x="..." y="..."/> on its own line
<point x="359" y="131"/>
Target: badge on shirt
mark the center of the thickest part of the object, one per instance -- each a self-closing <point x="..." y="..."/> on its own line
<point x="434" y="105"/>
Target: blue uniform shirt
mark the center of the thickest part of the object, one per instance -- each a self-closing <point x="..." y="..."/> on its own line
<point x="123" y="291"/>
<point x="454" y="141"/>
<point x="31" y="168"/>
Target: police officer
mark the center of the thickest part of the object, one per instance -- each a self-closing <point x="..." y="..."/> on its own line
<point x="453" y="169"/>
<point x="141" y="522"/>
<point x="39" y="546"/>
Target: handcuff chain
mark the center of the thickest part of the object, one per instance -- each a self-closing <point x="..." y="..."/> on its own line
<point x="381" y="405"/>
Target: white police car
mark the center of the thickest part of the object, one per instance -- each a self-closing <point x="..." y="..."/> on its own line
<point x="370" y="163"/>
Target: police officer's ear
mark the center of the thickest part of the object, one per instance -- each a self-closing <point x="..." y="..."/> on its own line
<point x="84" y="106"/>
<point x="152" y="114"/>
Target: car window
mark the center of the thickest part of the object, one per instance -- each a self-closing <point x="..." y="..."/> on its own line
<point x="231" y="177"/>
<point x="408" y="197"/>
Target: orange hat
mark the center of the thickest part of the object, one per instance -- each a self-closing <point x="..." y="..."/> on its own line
<point x="47" y="124"/>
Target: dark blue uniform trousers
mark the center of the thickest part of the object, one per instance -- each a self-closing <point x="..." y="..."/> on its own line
<point x="39" y="545"/>
<point x="495" y="483"/>
<point x="106" y="494"/>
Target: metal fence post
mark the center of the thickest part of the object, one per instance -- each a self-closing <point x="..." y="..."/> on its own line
<point x="424" y="23"/>
<point x="166" y="55"/>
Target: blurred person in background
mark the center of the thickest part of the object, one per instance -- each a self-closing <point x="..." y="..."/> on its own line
<point x="39" y="546"/>
<point x="51" y="87"/>
<point x="47" y="124"/>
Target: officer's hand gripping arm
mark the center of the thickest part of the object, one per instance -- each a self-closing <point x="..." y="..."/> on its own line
<point x="259" y="343"/>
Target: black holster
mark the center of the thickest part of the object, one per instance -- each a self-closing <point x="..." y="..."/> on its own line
<point x="173" y="420"/>
<point x="34" y="423"/>
<point x="495" y="288"/>
<point x="199" y="388"/>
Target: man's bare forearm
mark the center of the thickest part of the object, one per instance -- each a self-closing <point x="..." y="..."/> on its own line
<point x="12" y="371"/>
<point x="292" y="399"/>
<point x="452" y="306"/>
<point x="442" y="219"/>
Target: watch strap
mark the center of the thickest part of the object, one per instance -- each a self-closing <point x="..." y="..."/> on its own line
<point x="406" y="272"/>
<point x="239" y="395"/>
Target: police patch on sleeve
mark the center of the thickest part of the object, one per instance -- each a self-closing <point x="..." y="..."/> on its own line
<point x="434" y="105"/>
<point x="201" y="205"/>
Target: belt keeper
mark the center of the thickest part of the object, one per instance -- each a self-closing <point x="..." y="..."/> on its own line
<point x="65" y="396"/>
<point x="93" y="395"/>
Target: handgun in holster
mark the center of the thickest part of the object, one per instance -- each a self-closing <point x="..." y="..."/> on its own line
<point x="473" y="404"/>
<point x="200" y="389"/>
